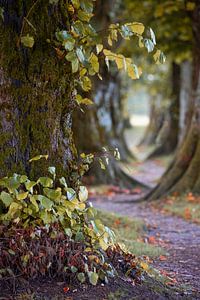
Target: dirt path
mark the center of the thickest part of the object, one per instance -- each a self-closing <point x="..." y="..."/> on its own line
<point x="181" y="238"/>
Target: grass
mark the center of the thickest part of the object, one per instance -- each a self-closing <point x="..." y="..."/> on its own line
<point x="128" y="232"/>
<point x="187" y="207"/>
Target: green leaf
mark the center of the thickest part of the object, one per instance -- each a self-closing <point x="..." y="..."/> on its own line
<point x="81" y="277"/>
<point x="14" y="208"/>
<point x="71" y="194"/>
<point x="74" y="269"/>
<point x="29" y="185"/>
<point x="34" y="202"/>
<point x="83" y="193"/>
<point x="45" y="202"/>
<point x="87" y="5"/>
<point x="94" y="62"/>
<point x="79" y="237"/>
<point x="93" y="277"/>
<point x="23" y="178"/>
<point x="53" y="194"/>
<point x="81" y="100"/>
<point x="63" y="181"/>
<point x="80" y="55"/>
<point x="38" y="157"/>
<point x="52" y="170"/>
<point x="22" y="196"/>
<point x="6" y="199"/>
<point x="45" y="181"/>
<point x="75" y="65"/>
<point x="68" y="232"/>
<point x="86" y="83"/>
<point x="69" y="44"/>
<point x="27" y="41"/>
<point x="76" y="3"/>
<point x="62" y="35"/>
<point x="84" y="16"/>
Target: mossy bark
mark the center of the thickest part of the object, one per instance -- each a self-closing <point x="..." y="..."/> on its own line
<point x="183" y="174"/>
<point x="36" y="97"/>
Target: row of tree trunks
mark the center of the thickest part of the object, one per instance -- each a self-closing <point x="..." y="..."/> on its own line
<point x="183" y="174"/>
<point x="169" y="132"/>
<point x="105" y="122"/>
<point x="156" y="121"/>
<point x="36" y="96"/>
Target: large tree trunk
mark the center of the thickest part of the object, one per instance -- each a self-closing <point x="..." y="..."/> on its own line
<point x="183" y="174"/>
<point x="36" y="97"/>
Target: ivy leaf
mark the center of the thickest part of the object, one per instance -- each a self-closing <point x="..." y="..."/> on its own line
<point x="76" y="3"/>
<point x="52" y="170"/>
<point x="62" y="35"/>
<point x="45" y="181"/>
<point x="45" y="202"/>
<point x="38" y="157"/>
<point x="80" y="55"/>
<point x="81" y="100"/>
<point x="53" y="194"/>
<point x="83" y="193"/>
<point x="29" y="185"/>
<point x="63" y="181"/>
<point x="99" y="48"/>
<point x="81" y="277"/>
<point x="27" y="41"/>
<point x="6" y="199"/>
<point x="69" y="43"/>
<point x="75" y="65"/>
<point x="93" y="277"/>
<point x="71" y="194"/>
<point x="86" y="84"/>
<point x="22" y="196"/>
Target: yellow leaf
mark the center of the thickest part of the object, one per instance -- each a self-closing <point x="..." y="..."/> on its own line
<point x="156" y="56"/>
<point x="144" y="266"/>
<point x="99" y="48"/>
<point x="190" y="6"/>
<point x="136" y="27"/>
<point x="94" y="62"/>
<point x="22" y="196"/>
<point x="120" y="61"/>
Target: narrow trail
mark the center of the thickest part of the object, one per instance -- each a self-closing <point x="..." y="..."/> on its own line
<point x="181" y="239"/>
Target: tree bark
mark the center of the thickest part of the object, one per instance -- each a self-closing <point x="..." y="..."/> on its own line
<point x="169" y="132"/>
<point x="36" y="96"/>
<point x="183" y="174"/>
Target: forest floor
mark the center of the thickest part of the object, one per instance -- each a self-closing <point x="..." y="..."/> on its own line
<point x="171" y="242"/>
